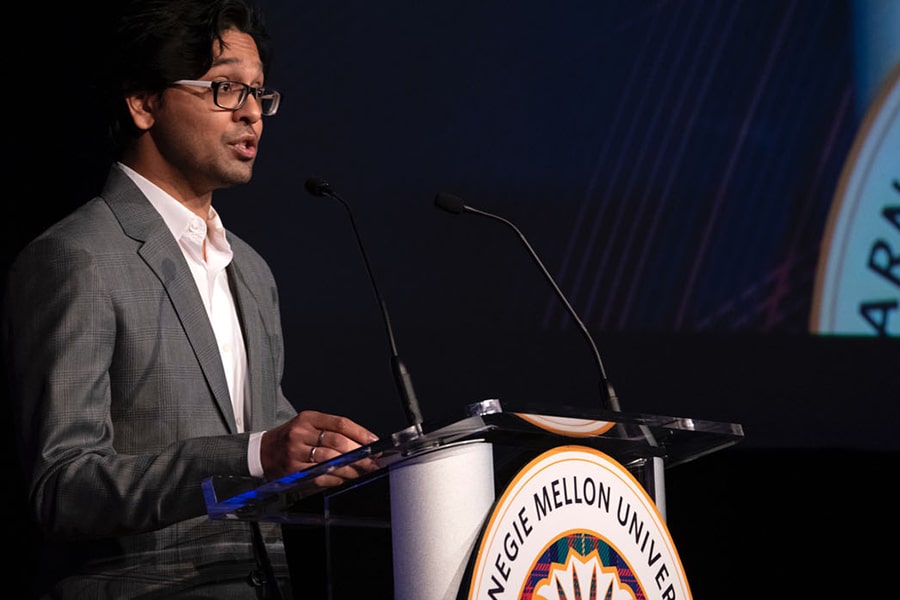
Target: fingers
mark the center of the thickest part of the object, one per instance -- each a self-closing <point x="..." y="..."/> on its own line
<point x="320" y="454"/>
<point x="311" y="438"/>
<point x="342" y="433"/>
<point x="334" y="436"/>
<point x="339" y="435"/>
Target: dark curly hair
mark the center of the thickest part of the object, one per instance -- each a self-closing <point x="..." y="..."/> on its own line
<point x="155" y="42"/>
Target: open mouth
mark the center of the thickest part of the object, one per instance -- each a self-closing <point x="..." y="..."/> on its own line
<point x="245" y="148"/>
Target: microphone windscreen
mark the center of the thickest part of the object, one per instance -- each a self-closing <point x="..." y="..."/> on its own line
<point x="450" y="203"/>
<point x="317" y="186"/>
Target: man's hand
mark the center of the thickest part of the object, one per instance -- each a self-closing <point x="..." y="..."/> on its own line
<point x="313" y="437"/>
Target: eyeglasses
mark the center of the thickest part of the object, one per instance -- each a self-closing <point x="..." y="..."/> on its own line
<point x="231" y="95"/>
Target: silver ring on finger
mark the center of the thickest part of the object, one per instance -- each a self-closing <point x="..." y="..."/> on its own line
<point x="312" y="454"/>
<point x="321" y="437"/>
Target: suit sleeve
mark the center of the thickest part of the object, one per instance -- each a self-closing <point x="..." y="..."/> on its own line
<point x="115" y="426"/>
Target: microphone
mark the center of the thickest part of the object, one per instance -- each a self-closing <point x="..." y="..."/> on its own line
<point x="321" y="189"/>
<point x="455" y="205"/>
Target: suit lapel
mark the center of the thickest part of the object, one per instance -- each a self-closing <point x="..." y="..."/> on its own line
<point x="163" y="255"/>
<point x="254" y="329"/>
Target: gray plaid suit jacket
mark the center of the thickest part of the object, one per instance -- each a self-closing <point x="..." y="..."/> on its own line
<point x="121" y="402"/>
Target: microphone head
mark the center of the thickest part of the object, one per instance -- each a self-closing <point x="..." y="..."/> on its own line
<point x="450" y="203"/>
<point x="318" y="187"/>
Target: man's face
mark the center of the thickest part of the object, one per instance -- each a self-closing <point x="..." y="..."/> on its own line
<point x="204" y="147"/>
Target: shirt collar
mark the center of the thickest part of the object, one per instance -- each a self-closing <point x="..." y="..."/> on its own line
<point x="180" y="220"/>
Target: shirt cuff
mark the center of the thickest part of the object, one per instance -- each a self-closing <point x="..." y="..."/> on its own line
<point x="253" y="460"/>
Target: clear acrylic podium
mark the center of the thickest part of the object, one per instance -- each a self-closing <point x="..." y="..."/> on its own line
<point x="416" y="519"/>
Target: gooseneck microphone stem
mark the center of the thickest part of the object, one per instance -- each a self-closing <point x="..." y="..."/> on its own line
<point x="403" y="381"/>
<point x="455" y="205"/>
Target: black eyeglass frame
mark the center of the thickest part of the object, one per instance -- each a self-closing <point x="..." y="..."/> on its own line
<point x="260" y="93"/>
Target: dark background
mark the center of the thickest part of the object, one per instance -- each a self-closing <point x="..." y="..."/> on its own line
<point x="672" y="162"/>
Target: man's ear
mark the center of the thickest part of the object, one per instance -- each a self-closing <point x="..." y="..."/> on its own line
<point x="141" y="106"/>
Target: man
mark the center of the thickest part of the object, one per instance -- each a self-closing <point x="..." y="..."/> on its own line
<point x="143" y="341"/>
